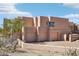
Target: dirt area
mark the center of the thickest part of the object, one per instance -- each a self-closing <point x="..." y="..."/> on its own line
<point x="55" y="48"/>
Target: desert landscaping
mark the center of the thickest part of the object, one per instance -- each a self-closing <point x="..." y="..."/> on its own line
<point x="55" y="48"/>
<point x="58" y="48"/>
<point x="39" y="36"/>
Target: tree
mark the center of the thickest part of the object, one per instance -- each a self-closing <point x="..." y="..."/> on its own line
<point x="11" y="26"/>
<point x="6" y="27"/>
<point x="16" y="28"/>
<point x="1" y="30"/>
<point x="17" y="25"/>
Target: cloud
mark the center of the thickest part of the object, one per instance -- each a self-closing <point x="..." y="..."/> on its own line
<point x="73" y="5"/>
<point x="10" y="9"/>
<point x="73" y="18"/>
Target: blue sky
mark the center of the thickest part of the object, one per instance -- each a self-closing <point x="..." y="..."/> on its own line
<point x="46" y="9"/>
<point x="70" y="11"/>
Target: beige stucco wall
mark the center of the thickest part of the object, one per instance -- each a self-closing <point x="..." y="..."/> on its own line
<point x="61" y="26"/>
<point x="43" y="34"/>
<point x="28" y="21"/>
<point x="29" y="34"/>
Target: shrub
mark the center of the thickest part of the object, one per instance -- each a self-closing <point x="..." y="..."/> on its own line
<point x="7" y="45"/>
<point x="71" y="52"/>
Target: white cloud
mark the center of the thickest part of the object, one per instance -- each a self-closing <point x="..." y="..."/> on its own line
<point x="73" y="18"/>
<point x="73" y="5"/>
<point x="10" y="9"/>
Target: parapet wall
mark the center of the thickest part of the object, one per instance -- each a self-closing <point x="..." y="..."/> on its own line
<point x="28" y="21"/>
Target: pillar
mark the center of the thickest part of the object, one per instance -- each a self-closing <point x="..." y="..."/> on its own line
<point x="65" y="37"/>
<point x="22" y="36"/>
<point x="34" y="19"/>
<point x="38" y="25"/>
<point x="70" y="39"/>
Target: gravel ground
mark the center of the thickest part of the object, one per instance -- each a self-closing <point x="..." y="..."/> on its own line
<point x="56" y="48"/>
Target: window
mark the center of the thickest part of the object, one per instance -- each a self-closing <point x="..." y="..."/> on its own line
<point x="51" y="24"/>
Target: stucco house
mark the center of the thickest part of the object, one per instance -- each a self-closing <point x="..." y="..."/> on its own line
<point x="44" y="28"/>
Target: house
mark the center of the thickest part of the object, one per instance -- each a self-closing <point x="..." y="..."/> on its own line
<point x="44" y="28"/>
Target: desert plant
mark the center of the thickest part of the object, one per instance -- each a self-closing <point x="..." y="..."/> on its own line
<point x="8" y="45"/>
<point x="71" y="52"/>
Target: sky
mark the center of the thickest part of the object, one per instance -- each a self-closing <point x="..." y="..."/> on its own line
<point x="64" y="10"/>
